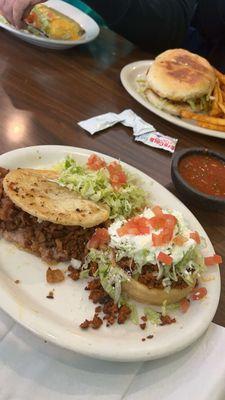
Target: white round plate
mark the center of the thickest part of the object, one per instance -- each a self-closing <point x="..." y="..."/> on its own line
<point x="58" y="320"/>
<point x="88" y="24"/>
<point x="128" y="78"/>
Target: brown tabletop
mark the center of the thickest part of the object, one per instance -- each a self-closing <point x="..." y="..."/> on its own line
<point x="43" y="94"/>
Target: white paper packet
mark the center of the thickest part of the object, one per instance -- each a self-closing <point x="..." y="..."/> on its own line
<point x="156" y="139"/>
<point x="143" y="131"/>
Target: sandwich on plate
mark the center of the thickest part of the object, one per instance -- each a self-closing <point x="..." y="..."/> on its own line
<point x="178" y="80"/>
<point x="44" y="218"/>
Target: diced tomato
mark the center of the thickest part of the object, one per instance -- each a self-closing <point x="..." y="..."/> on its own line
<point x="128" y="230"/>
<point x="157" y="211"/>
<point x="50" y="14"/>
<point x="199" y="293"/>
<point x="32" y="18"/>
<point x="113" y="167"/>
<point x="164" y="258"/>
<point x="117" y="175"/>
<point x="99" y="238"/>
<point x="158" y="240"/>
<point x="157" y="222"/>
<point x="184" y="305"/>
<point x="93" y="243"/>
<point x="95" y="162"/>
<point x="195" y="236"/>
<point x="166" y="222"/>
<point x="168" y="235"/>
<point x="135" y="226"/>
<point x="179" y="240"/>
<point x="170" y="220"/>
<point x="212" y="260"/>
<point x="118" y="180"/>
<point x="163" y="237"/>
<point x="143" y="225"/>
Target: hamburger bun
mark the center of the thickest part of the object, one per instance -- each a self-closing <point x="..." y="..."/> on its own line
<point x="167" y="105"/>
<point x="179" y="75"/>
<point x="141" y="293"/>
<point x="35" y="192"/>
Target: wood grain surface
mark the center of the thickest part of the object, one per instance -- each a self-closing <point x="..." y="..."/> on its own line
<point x="43" y="94"/>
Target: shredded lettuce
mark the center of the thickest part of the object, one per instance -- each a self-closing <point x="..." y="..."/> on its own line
<point x="189" y="268"/>
<point x="152" y="315"/>
<point x="29" y="28"/>
<point x="84" y="274"/>
<point x="42" y="16"/>
<point x="111" y="277"/>
<point x="125" y="250"/>
<point x="95" y="186"/>
<point x="3" y="20"/>
<point x="111" y="281"/>
<point x="202" y="103"/>
<point x="166" y="308"/>
<point x="142" y="84"/>
<point x="192" y="104"/>
<point x="134" y="313"/>
<point x="143" y="257"/>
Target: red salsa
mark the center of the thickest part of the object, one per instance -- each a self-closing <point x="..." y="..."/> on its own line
<point x="204" y="173"/>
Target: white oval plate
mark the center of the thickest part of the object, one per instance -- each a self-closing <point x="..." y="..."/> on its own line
<point x="58" y="320"/>
<point x="90" y="26"/>
<point x="128" y="78"/>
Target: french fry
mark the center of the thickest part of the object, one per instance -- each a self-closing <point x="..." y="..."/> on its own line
<point x="220" y="76"/>
<point x="220" y="97"/>
<point x="220" y="104"/>
<point x="215" y="110"/>
<point x="211" y="126"/>
<point x="223" y="95"/>
<point x="203" y="118"/>
<point x="222" y="87"/>
<point x="222" y="107"/>
<point x="215" y="118"/>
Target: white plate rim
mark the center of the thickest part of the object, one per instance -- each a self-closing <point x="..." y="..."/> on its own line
<point x="39" y="39"/>
<point x="166" y="116"/>
<point x="67" y="340"/>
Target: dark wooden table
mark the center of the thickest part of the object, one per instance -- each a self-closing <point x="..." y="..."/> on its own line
<point x="43" y="94"/>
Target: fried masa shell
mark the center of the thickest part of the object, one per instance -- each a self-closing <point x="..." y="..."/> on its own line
<point x="155" y="296"/>
<point x="35" y="193"/>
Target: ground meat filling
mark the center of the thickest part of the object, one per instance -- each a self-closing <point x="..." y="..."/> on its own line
<point x="112" y="313"/>
<point x="148" y="275"/>
<point x="52" y="242"/>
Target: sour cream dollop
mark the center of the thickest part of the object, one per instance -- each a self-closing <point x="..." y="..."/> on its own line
<point x="137" y="244"/>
